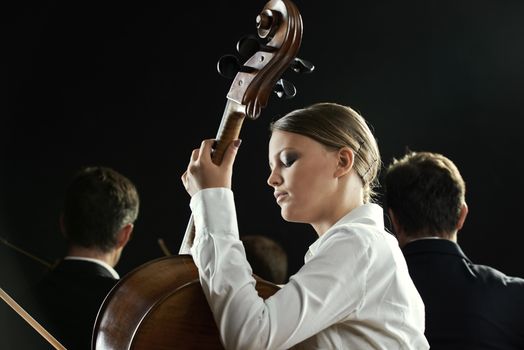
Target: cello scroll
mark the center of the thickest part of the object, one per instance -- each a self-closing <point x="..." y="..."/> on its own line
<point x="279" y="24"/>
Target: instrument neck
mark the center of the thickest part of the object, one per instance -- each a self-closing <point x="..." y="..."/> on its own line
<point x="228" y="131"/>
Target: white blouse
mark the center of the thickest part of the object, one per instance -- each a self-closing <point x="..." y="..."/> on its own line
<point x="353" y="292"/>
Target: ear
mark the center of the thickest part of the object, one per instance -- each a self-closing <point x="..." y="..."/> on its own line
<point x="345" y="161"/>
<point x="394" y="221"/>
<point x="462" y="217"/>
<point x="401" y="237"/>
<point x="124" y="235"/>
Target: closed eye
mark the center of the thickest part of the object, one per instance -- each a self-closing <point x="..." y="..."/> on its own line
<point x="288" y="158"/>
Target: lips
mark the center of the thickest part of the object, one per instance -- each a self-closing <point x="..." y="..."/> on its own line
<point x="279" y="196"/>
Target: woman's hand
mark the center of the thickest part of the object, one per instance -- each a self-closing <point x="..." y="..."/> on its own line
<point x="203" y="173"/>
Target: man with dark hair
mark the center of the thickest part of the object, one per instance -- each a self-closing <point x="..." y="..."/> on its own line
<point x="100" y="208"/>
<point x="468" y="306"/>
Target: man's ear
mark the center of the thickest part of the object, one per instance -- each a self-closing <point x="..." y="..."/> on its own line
<point x="398" y="232"/>
<point x="394" y="221"/>
<point x="462" y="215"/>
<point x="345" y="161"/>
<point x="124" y="235"/>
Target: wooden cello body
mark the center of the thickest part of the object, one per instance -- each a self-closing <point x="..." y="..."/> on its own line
<point x="161" y="305"/>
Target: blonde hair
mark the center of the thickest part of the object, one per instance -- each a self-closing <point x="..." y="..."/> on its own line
<point x="336" y="126"/>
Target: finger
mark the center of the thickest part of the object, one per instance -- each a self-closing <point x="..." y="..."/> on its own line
<point x="205" y="149"/>
<point x="194" y="155"/>
<point x="231" y="152"/>
<point x="184" y="179"/>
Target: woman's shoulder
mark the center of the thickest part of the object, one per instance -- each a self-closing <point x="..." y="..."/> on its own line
<point x="348" y="235"/>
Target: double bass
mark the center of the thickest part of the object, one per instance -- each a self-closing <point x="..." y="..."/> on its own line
<point x="161" y="305"/>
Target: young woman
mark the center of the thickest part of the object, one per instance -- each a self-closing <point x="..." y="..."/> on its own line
<point x="354" y="290"/>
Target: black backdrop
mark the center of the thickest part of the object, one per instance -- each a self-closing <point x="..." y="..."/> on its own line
<point x="135" y="87"/>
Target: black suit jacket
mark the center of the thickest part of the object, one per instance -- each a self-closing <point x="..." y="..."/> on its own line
<point x="68" y="300"/>
<point x="468" y="306"/>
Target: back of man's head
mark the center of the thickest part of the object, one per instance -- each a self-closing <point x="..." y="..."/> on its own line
<point x="99" y="201"/>
<point x="425" y="192"/>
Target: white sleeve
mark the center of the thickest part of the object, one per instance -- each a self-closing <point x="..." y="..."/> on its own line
<point x="320" y="294"/>
<point x="225" y="274"/>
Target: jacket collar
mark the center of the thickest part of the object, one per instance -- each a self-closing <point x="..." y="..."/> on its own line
<point x="433" y="245"/>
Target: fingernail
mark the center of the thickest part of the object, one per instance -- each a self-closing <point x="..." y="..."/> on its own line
<point x="237" y="143"/>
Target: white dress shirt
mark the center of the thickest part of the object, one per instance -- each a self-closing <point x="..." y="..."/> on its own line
<point x="353" y="292"/>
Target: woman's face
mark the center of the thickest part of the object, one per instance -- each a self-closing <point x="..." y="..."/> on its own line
<point x="302" y="176"/>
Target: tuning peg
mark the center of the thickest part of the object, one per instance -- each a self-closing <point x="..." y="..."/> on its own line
<point x="228" y="66"/>
<point x="248" y="45"/>
<point x="300" y="65"/>
<point x="284" y="89"/>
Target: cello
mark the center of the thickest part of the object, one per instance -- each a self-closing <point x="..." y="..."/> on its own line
<point x="161" y="305"/>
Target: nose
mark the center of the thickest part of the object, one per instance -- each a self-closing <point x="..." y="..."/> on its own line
<point x="274" y="179"/>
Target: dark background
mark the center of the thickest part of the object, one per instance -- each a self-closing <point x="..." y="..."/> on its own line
<point x="135" y="87"/>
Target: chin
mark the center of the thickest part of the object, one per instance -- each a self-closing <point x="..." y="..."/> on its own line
<point x="289" y="217"/>
<point x="285" y="215"/>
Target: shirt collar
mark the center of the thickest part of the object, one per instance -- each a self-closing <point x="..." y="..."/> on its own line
<point x="108" y="267"/>
<point x="369" y="214"/>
